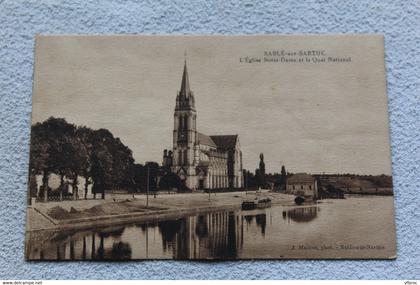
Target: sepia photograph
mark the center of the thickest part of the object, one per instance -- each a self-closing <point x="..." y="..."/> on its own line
<point x="209" y="147"/>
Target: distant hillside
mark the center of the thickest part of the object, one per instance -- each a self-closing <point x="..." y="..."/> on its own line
<point x="358" y="184"/>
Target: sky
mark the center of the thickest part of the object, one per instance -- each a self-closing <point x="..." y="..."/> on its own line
<point x="310" y="116"/>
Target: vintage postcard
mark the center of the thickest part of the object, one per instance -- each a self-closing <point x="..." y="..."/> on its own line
<point x="210" y="147"/>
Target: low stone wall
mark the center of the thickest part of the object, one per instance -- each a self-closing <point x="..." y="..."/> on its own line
<point x="152" y="216"/>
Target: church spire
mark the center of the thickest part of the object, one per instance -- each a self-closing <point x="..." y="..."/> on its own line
<point x="185" y="97"/>
<point x="185" y="84"/>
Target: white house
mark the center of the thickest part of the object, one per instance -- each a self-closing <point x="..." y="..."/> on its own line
<point x="302" y="184"/>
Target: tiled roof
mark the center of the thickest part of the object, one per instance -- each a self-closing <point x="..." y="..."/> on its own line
<point x="204" y="163"/>
<point x="205" y="140"/>
<point x="300" y="178"/>
<point x="225" y="141"/>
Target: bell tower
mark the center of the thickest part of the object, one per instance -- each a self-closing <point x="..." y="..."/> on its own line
<point x="184" y="136"/>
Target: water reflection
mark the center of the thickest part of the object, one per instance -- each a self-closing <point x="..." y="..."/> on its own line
<point x="301" y="215"/>
<point x="222" y="235"/>
<point x="112" y="232"/>
<point x="214" y="235"/>
<point x="260" y="220"/>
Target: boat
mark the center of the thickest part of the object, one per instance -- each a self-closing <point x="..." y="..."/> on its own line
<point x="256" y="204"/>
<point x="264" y="203"/>
<point x="249" y="205"/>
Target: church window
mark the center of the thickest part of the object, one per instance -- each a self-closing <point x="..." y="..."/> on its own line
<point x="185" y="157"/>
<point x="180" y="157"/>
<point x="180" y="122"/>
<point x="186" y="122"/>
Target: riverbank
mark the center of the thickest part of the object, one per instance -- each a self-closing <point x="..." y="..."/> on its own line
<point x="290" y="231"/>
<point x="120" y="208"/>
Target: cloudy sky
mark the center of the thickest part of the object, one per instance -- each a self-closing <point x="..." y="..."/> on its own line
<point x="311" y="117"/>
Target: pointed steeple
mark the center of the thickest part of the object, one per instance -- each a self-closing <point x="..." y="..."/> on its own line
<point x="185" y="84"/>
<point x="185" y="97"/>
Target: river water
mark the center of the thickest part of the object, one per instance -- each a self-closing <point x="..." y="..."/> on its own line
<point x="355" y="227"/>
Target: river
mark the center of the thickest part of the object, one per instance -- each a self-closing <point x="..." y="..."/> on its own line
<point x="355" y="227"/>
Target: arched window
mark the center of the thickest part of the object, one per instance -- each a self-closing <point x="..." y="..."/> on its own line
<point x="181" y="121"/>
<point x="185" y="157"/>
<point x="185" y="122"/>
<point x="180" y="157"/>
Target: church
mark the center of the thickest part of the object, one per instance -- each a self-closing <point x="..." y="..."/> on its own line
<point x="201" y="161"/>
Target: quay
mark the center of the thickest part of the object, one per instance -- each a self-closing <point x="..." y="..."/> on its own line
<point x="125" y="208"/>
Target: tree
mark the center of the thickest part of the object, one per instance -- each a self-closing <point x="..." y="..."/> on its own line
<point x="169" y="181"/>
<point x="138" y="177"/>
<point x="141" y="172"/>
<point x="77" y="164"/>
<point x="38" y="157"/>
<point x="258" y="177"/>
<point x="283" y="178"/>
<point x="122" y="163"/>
<point x="153" y="169"/>
<point x="52" y="150"/>
<point x="61" y="147"/>
<point x="70" y="151"/>
<point x="261" y="172"/>
<point x="85" y="136"/>
<point x="101" y="162"/>
<point x="250" y="180"/>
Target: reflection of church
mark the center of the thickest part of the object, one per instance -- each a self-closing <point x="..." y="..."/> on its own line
<point x="219" y="235"/>
<point x="212" y="235"/>
<point x="201" y="161"/>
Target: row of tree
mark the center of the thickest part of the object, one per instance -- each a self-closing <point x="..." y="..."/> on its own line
<point x="265" y="180"/>
<point x="96" y="156"/>
<point x="262" y="180"/>
<point x="154" y="177"/>
<point x="72" y="151"/>
<point x="103" y="161"/>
